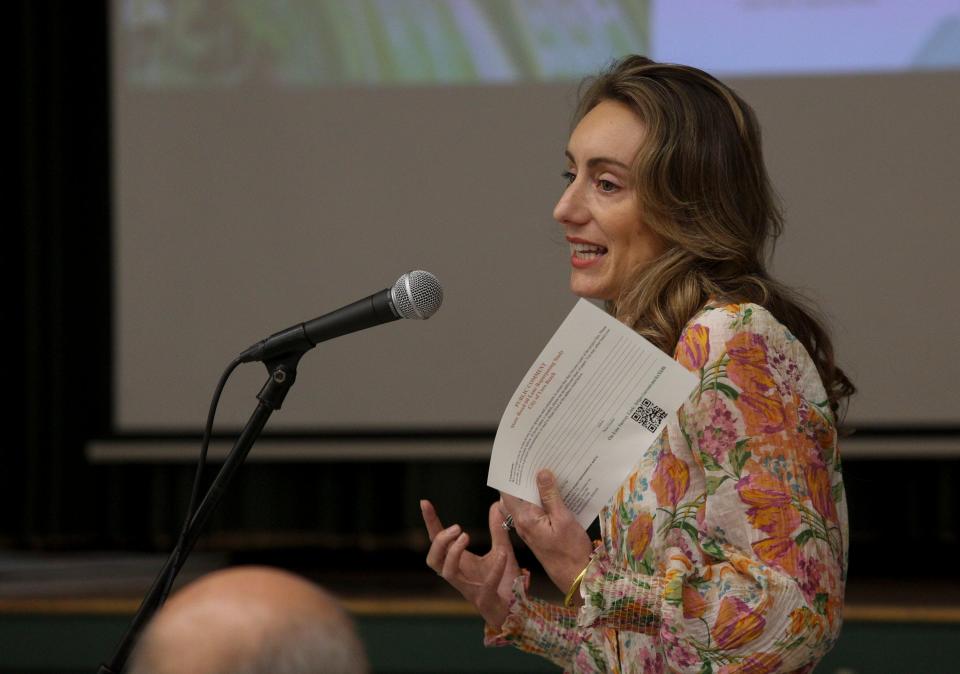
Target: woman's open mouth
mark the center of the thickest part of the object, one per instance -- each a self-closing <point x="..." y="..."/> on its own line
<point x="585" y="254"/>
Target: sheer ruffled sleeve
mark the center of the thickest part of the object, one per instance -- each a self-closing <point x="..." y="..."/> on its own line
<point x="538" y="627"/>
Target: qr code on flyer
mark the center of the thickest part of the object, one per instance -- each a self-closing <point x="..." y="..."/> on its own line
<point x="649" y="415"/>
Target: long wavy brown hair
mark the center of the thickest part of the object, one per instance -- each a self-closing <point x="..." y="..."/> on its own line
<point x="702" y="186"/>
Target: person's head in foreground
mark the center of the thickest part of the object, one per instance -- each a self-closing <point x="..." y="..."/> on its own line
<point x="250" y="620"/>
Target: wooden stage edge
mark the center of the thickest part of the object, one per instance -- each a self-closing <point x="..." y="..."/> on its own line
<point x="446" y="607"/>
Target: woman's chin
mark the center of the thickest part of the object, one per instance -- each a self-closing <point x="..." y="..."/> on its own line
<point x="587" y="290"/>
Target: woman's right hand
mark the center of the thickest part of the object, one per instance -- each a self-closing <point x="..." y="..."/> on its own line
<point x="486" y="581"/>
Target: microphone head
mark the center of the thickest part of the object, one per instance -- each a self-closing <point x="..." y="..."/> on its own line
<point x="417" y="294"/>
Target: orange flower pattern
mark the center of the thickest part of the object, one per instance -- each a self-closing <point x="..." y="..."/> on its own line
<point x="670" y="479"/>
<point x="639" y="535"/>
<point x="818" y="485"/>
<point x="779" y="551"/>
<point x="694" y="605"/>
<point x="694" y="347"/>
<point x="736" y="624"/>
<point x="725" y="550"/>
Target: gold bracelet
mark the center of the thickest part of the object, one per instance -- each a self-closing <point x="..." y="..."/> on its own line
<point x="576" y="586"/>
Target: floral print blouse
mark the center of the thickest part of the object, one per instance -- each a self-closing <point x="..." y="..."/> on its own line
<point x="725" y="550"/>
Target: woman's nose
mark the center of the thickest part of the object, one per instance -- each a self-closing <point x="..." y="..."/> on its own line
<point x="570" y="209"/>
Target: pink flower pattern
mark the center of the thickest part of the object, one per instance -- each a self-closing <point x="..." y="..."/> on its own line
<point x="720" y="432"/>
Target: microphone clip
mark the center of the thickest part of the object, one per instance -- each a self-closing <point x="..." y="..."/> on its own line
<point x="283" y="373"/>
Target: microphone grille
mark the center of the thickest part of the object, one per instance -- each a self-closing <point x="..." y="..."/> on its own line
<point x="417" y="294"/>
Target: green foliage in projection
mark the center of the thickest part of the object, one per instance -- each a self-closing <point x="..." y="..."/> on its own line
<point x="192" y="43"/>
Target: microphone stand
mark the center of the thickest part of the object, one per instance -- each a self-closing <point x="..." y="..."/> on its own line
<point x="282" y="374"/>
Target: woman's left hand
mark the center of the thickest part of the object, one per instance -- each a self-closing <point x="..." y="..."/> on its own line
<point x="551" y="531"/>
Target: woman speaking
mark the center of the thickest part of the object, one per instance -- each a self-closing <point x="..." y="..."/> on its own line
<point x="724" y="550"/>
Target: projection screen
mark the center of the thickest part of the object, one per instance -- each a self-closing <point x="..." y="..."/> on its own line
<point x="276" y="160"/>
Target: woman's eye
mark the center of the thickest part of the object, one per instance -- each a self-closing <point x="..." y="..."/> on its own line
<point x="607" y="186"/>
<point x="568" y="176"/>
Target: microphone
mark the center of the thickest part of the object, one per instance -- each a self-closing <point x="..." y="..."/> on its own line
<point x="417" y="294"/>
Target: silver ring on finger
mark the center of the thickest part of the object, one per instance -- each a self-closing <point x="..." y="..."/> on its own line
<point x="507" y="524"/>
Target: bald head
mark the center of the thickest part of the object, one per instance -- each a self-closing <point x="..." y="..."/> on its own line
<point x="249" y="620"/>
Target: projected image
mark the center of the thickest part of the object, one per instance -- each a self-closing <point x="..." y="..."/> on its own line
<point x="310" y="42"/>
<point x="188" y="43"/>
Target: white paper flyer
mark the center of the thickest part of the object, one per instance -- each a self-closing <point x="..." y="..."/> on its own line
<point x="597" y="396"/>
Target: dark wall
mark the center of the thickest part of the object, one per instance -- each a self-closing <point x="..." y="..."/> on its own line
<point x="59" y="262"/>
